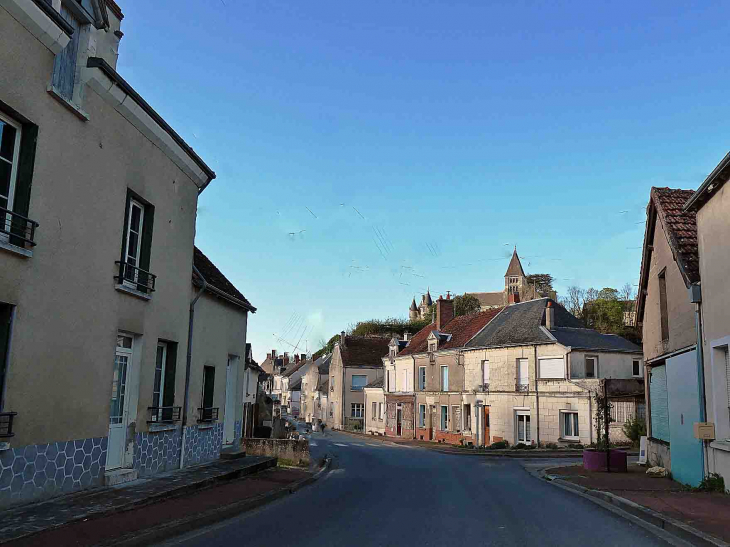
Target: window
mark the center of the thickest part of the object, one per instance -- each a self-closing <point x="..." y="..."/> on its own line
<point x="444" y="378"/>
<point x="422" y="378"/>
<point x="122" y="359"/>
<point x="159" y="382"/>
<point x="444" y="418"/>
<point x="523" y="427"/>
<point x="553" y="368"/>
<point x="664" y="315"/>
<point x="421" y="415"/>
<point x="467" y="417"/>
<point x="137" y="244"/>
<point x="9" y="151"/>
<point x="380" y="411"/>
<point x="591" y="367"/>
<point x="206" y="413"/>
<point x="568" y="425"/>
<point x="357" y="410"/>
<point x="359" y="381"/>
<point x="432" y="345"/>
<point x="485" y="374"/>
<point x="522" y="375"/>
<point x="455" y="419"/>
<point x="375" y="411"/>
<point x="6" y="316"/>
<point x="636" y="367"/>
<point x="64" y="66"/>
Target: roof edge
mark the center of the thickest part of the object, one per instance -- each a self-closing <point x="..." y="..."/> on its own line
<point x="701" y="195"/>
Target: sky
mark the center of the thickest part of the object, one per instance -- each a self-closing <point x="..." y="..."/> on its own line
<point x="366" y="151"/>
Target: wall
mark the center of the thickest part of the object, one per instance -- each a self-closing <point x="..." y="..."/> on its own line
<point x="373" y="424"/>
<point x="288" y="451"/>
<point x="610" y="365"/>
<point x="355" y="396"/>
<point x="336" y="379"/>
<point x="680" y="311"/>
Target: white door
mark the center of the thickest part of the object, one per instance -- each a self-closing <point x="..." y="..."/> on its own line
<point x="229" y="415"/>
<point x="119" y="403"/>
<point x="523" y="428"/>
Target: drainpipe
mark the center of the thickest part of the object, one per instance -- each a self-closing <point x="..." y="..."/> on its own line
<point x="188" y="362"/>
<point x="695" y="296"/>
<point x="537" y="401"/>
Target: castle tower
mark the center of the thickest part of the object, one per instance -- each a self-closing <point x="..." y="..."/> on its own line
<point x="413" y="311"/>
<point x="514" y="279"/>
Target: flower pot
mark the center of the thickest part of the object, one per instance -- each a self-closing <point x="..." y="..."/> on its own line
<point x="595" y="460"/>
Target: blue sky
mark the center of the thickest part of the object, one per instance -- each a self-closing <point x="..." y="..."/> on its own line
<point x="466" y="126"/>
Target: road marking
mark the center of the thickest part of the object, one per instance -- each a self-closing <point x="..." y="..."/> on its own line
<point x="338" y="444"/>
<point x="312" y="444"/>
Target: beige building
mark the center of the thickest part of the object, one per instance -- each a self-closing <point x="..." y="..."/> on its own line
<point x="374" y="408"/>
<point x="312" y="407"/>
<point x="712" y="205"/>
<point x="356" y="362"/>
<point x="666" y="315"/>
<point x="97" y="211"/>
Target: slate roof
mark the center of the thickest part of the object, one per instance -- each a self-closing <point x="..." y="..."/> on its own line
<point x="217" y="281"/>
<point x="593" y="340"/>
<point x="377" y="383"/>
<point x="515" y="266"/>
<point x="325" y="387"/>
<point x="461" y="329"/>
<point x="489" y="298"/>
<point x="413" y="305"/>
<point x="520" y="324"/>
<point x="291" y="370"/>
<point x="364" y="351"/>
<point x="297" y="386"/>
<point x="323" y="363"/>
<point x="681" y="227"/>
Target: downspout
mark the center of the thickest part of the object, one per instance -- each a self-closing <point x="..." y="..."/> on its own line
<point x="537" y="401"/>
<point x="188" y="361"/>
<point x="695" y="293"/>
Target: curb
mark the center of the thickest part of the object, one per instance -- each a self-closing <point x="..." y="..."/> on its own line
<point x="154" y="498"/>
<point x="669" y="525"/>
<point x="188" y="524"/>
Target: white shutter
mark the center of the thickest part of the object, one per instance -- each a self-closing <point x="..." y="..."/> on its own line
<point x="522" y="376"/>
<point x="552" y="368"/>
<point x="485" y="371"/>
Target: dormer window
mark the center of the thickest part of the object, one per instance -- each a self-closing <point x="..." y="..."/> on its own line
<point x="432" y="345"/>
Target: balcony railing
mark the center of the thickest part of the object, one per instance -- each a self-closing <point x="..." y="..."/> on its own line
<point x="206" y="415"/>
<point x="20" y="229"/>
<point x="485" y="387"/>
<point x="163" y="414"/>
<point x="522" y="388"/>
<point x="130" y="274"/>
<point x="6" y="424"/>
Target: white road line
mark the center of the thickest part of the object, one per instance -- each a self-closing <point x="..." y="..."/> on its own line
<point x="312" y="444"/>
<point x="338" y="444"/>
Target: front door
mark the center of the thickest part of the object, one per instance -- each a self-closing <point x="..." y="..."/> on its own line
<point x="229" y="416"/>
<point x="398" y="421"/>
<point x="487" y="438"/>
<point x="119" y="403"/>
<point x="523" y="428"/>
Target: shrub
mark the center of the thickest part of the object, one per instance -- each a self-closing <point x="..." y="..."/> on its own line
<point x="634" y="428"/>
<point x="499" y="445"/>
<point x="712" y="483"/>
<point x="552" y="446"/>
<point x="575" y="445"/>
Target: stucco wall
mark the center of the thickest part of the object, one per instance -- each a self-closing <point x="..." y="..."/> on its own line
<point x="374" y="424"/>
<point x="610" y="365"/>
<point x="61" y="387"/>
<point x="680" y="311"/>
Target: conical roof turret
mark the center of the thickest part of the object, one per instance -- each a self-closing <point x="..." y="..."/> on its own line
<point x="515" y="266"/>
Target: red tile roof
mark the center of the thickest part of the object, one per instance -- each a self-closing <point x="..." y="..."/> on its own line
<point x="215" y="278"/>
<point x="681" y="227"/>
<point x="364" y="351"/>
<point x="462" y="329"/>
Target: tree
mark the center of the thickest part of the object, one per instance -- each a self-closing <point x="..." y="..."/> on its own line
<point x="466" y="304"/>
<point x="574" y="300"/>
<point x="543" y="283"/>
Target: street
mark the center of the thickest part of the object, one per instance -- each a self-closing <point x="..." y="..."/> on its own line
<point x="384" y="494"/>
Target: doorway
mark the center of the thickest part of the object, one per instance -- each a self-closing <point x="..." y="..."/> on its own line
<point x="399" y="420"/>
<point x="119" y="402"/>
<point x="487" y="437"/>
<point x="229" y="413"/>
<point x="523" y="427"/>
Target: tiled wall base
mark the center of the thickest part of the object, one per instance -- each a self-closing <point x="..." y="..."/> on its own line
<point x="156" y="451"/>
<point x="203" y="443"/>
<point x="38" y="471"/>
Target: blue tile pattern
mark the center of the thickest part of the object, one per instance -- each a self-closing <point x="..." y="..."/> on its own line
<point x="203" y="445"/>
<point x="37" y="471"/>
<point x="237" y="429"/>
<point x="156" y="451"/>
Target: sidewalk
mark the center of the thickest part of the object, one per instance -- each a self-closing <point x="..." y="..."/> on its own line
<point x="26" y="521"/>
<point x="704" y="511"/>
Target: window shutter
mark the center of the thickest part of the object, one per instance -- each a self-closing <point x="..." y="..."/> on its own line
<point x="5" y="316"/>
<point x="146" y="245"/>
<point x="168" y="396"/>
<point x="26" y="163"/>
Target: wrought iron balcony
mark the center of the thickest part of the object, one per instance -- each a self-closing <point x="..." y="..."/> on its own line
<point x="6" y="424"/>
<point x="207" y="415"/>
<point x="20" y="229"/>
<point x="485" y="387"/>
<point x="163" y="414"/>
<point x="130" y="274"/>
<point x="522" y="388"/>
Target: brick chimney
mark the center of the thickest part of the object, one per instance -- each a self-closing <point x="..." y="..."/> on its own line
<point x="342" y="339"/>
<point x="444" y="312"/>
<point x="406" y="336"/>
<point x="303" y="357"/>
<point x="296" y="358"/>
<point x="268" y="356"/>
<point x="549" y="316"/>
<point x="514" y="298"/>
<point x="273" y="354"/>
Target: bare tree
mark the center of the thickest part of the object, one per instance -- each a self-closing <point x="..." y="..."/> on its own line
<point x="574" y="300"/>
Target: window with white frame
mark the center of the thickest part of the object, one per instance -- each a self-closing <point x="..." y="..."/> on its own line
<point x="636" y="367"/>
<point x="421" y="415"/>
<point x="569" y="425"/>
<point x="380" y="411"/>
<point x="444" y="378"/>
<point x="522" y="419"/>
<point x="357" y="410"/>
<point x="432" y="345"/>
<point x="591" y="367"/>
<point x="375" y="412"/>
<point x="9" y="152"/>
<point x="136" y="244"/>
<point x="422" y="378"/>
<point x="158" y="389"/>
<point x="485" y="374"/>
<point x="522" y="374"/>
<point x="359" y="381"/>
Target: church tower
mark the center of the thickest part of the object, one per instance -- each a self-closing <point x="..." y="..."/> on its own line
<point x="514" y="280"/>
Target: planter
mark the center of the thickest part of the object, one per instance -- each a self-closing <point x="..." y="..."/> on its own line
<point x="595" y="460"/>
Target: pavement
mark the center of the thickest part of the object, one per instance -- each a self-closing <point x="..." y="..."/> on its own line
<point x="381" y="493"/>
<point x="704" y="511"/>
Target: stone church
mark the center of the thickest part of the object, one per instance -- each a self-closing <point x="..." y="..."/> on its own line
<point x="516" y="289"/>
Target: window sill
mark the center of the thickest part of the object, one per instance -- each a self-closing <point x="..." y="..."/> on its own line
<point x="569" y="440"/>
<point x="154" y="428"/>
<point x="77" y="111"/>
<point x="133" y="292"/>
<point x="206" y="425"/>
<point x="20" y="251"/>
<point x="721" y="445"/>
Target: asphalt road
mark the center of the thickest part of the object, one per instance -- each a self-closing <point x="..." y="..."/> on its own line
<point x="384" y="494"/>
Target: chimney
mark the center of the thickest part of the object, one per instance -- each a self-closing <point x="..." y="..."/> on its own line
<point x="406" y="336"/>
<point x="268" y="356"/>
<point x="549" y="316"/>
<point x="514" y="298"/>
<point x="342" y="339"/>
<point x="444" y="312"/>
<point x="296" y="358"/>
<point x="303" y="357"/>
<point x="273" y="354"/>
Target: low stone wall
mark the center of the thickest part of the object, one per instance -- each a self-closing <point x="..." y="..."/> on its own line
<point x="288" y="451"/>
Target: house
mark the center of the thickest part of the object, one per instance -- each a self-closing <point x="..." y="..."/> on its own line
<point x="534" y="370"/>
<point x="295" y="397"/>
<point x="312" y="380"/>
<point x="287" y="378"/>
<point x="666" y="315"/>
<point x="356" y="362"/>
<point x="374" y="407"/>
<point x="254" y="381"/>
<point x="711" y="203"/>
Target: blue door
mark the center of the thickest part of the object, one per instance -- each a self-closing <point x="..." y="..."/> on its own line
<point x="684" y="411"/>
